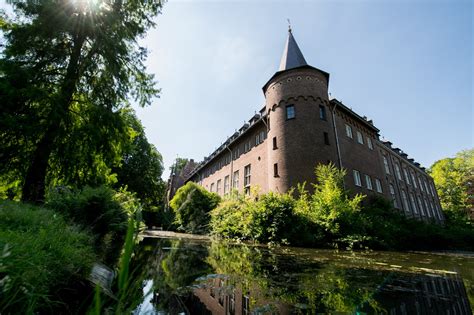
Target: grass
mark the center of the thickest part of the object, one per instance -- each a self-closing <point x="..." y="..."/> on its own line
<point x="44" y="260"/>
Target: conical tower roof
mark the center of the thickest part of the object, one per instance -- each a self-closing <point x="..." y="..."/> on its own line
<point x="292" y="56"/>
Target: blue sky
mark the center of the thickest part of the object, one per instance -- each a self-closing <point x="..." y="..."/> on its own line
<point x="408" y="65"/>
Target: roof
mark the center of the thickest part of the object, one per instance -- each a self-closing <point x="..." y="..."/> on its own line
<point x="292" y="56"/>
<point x="363" y="120"/>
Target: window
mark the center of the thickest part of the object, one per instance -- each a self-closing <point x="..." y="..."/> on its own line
<point x="420" y="205"/>
<point x="394" y="197"/>
<point x="378" y="185"/>
<point x="413" y="204"/>
<point x="235" y="183"/>
<point x="397" y="170"/>
<point x="212" y="187"/>
<point x="247" y="179"/>
<point x="385" y="164"/>
<point x="426" y="187"/>
<point x="413" y="179"/>
<point x="290" y="112"/>
<point x="226" y="185"/>
<point x="349" y="131"/>
<point x="432" y="190"/>
<point x="368" y="182"/>
<point x="257" y="139"/>
<point x="247" y="146"/>
<point x="405" y="201"/>
<point x="406" y="176"/>
<point x="360" y="139"/>
<point x="357" y="180"/>
<point x="263" y="136"/>
<point x="369" y="143"/>
<point x="218" y="187"/>
<point x="429" y="212"/>
<point x="326" y="138"/>
<point x="275" y="170"/>
<point x="275" y="143"/>
<point x="421" y="184"/>
<point x="322" y="112"/>
<point x="247" y="176"/>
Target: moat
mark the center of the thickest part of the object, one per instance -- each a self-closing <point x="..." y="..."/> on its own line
<point x="190" y="276"/>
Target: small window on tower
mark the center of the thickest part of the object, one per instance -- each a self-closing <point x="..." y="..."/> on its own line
<point x="290" y="112"/>
<point x="322" y="112"/>
<point x="326" y="138"/>
<point x="275" y="170"/>
<point x="275" y="143"/>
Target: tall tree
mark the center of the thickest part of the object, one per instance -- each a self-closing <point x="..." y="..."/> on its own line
<point x="454" y="179"/>
<point x="141" y="168"/>
<point x="61" y="56"/>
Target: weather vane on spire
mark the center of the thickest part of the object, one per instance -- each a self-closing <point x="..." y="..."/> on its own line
<point x="289" y="25"/>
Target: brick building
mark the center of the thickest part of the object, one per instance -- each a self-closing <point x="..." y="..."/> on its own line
<point x="299" y="127"/>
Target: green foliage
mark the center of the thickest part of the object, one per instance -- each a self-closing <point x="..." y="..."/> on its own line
<point x="454" y="180"/>
<point x="141" y="169"/>
<point x="307" y="219"/>
<point x="101" y="210"/>
<point x="43" y="260"/>
<point x="68" y="71"/>
<point x="191" y="205"/>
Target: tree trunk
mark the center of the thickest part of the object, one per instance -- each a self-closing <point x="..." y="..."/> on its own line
<point x="35" y="181"/>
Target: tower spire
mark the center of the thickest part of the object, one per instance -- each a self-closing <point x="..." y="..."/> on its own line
<point x="292" y="56"/>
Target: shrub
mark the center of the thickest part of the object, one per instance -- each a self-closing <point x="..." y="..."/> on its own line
<point x="232" y="218"/>
<point x="191" y="205"/>
<point x="43" y="260"/>
<point x="102" y="211"/>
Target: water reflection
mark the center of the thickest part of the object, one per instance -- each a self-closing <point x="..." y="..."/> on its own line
<point x="195" y="277"/>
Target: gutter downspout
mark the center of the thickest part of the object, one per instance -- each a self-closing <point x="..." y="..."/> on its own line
<point x="339" y="158"/>
<point x="231" y="169"/>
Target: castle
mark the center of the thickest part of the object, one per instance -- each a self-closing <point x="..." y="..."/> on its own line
<point x="300" y="127"/>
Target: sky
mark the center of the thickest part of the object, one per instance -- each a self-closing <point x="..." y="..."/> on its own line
<point x="408" y="65"/>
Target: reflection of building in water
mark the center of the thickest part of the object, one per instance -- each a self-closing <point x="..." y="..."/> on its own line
<point x="219" y="297"/>
<point x="424" y="294"/>
<point x="402" y="294"/>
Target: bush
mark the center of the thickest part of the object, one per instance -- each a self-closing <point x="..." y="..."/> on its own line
<point x="43" y="260"/>
<point x="191" y="205"/>
<point x="102" y="211"/>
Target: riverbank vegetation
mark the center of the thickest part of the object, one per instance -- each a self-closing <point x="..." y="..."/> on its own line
<point x="327" y="217"/>
<point x="75" y="162"/>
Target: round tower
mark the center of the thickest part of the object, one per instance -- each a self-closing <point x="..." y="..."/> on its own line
<point x="299" y="120"/>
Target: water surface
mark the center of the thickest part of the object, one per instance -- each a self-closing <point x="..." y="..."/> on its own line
<point x="204" y="277"/>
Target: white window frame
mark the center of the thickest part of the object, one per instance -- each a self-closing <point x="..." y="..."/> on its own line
<point x="394" y="196"/>
<point x="405" y="201"/>
<point x="385" y="164"/>
<point x="368" y="182"/>
<point x="218" y="186"/>
<point x="407" y="177"/>
<point x="212" y="187"/>
<point x="413" y="178"/>
<point x="413" y="203"/>
<point x="349" y="131"/>
<point x="357" y="180"/>
<point x="420" y="204"/>
<point x="397" y="171"/>
<point x="360" y="137"/>
<point x="247" y="170"/>
<point x="421" y="184"/>
<point x="378" y="186"/>
<point x="226" y="184"/>
<point x="235" y="180"/>
<point x="369" y="143"/>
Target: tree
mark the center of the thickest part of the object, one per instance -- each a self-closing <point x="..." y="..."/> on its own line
<point x="454" y="181"/>
<point x="192" y="204"/>
<point x="63" y="62"/>
<point x="141" y="168"/>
